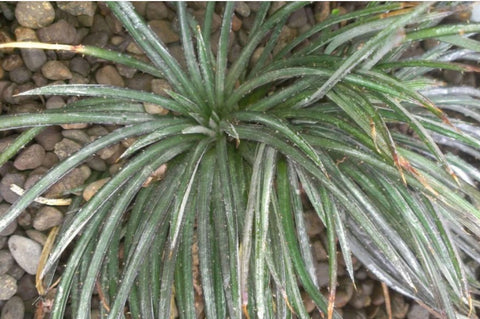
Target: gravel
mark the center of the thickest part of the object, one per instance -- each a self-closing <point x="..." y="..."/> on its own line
<point x="26" y="252"/>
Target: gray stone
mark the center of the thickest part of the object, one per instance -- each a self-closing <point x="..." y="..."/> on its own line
<point x="10" y="229"/>
<point x="78" y="136"/>
<point x="141" y="81"/>
<point x="39" y="79"/>
<point x="49" y="137"/>
<point x="125" y="71"/>
<point x="39" y="237"/>
<point x="20" y="75"/>
<point x="33" y="58"/>
<point x="46" y="218"/>
<point x="56" y="70"/>
<point x="50" y="160"/>
<point x="6" y="261"/>
<point x="3" y="241"/>
<point x="98" y="39"/>
<point x="77" y="8"/>
<point x="13" y="309"/>
<point x="72" y="180"/>
<point x="298" y="19"/>
<point x="156" y="10"/>
<point x="30" y="158"/>
<point x="242" y="9"/>
<point x="9" y="179"/>
<point x="164" y="31"/>
<point x="26" y="287"/>
<point x="322" y="274"/>
<point x="110" y="76"/>
<point x="12" y="62"/>
<point x="97" y="164"/>
<point x="417" y="312"/>
<point x="399" y="306"/>
<point x="65" y="148"/>
<point x="26" y="252"/>
<point x="25" y="219"/>
<point x="79" y="65"/>
<point x="16" y="271"/>
<point x="32" y="14"/>
<point x="54" y="102"/>
<point x="59" y="32"/>
<point x="8" y="287"/>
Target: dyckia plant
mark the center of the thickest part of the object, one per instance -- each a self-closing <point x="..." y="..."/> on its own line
<point x="314" y="122"/>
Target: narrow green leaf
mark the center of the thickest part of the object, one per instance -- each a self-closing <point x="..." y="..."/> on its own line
<point x="363" y="53"/>
<point x="221" y="65"/>
<point x="205" y="238"/>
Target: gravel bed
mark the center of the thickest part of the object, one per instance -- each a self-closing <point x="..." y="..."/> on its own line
<point x="93" y="24"/>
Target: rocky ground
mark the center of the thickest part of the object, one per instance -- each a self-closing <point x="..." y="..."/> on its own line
<point x="93" y="24"/>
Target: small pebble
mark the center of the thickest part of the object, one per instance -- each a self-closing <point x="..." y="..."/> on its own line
<point x="32" y="14"/>
<point x="242" y="9"/>
<point x="140" y="82"/>
<point x="108" y="152"/>
<point x="9" y="179"/>
<point x="297" y="19"/>
<point x="77" y="8"/>
<point x="65" y="148"/>
<point x="50" y="160"/>
<point x="58" y="32"/>
<point x="322" y="274"/>
<point x="39" y="237"/>
<point x="164" y="31"/>
<point x="25" y="219"/>
<point x="56" y="70"/>
<point x="26" y="252"/>
<point x="20" y="75"/>
<point x="13" y="309"/>
<point x="49" y="137"/>
<point x="46" y="218"/>
<point x="399" y="306"/>
<point x="236" y="23"/>
<point x="34" y="59"/>
<point x="70" y="181"/>
<point x="109" y="75"/>
<point x="16" y="271"/>
<point x="97" y="164"/>
<point x="156" y="10"/>
<point x="30" y="158"/>
<point x="417" y="312"/>
<point x="344" y="292"/>
<point x="6" y="261"/>
<point x="97" y="39"/>
<point x="80" y="66"/>
<point x="12" y="62"/>
<point x="78" y="136"/>
<point x="8" y="287"/>
<point x="313" y="223"/>
<point x="26" y="287"/>
<point x="319" y="251"/>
